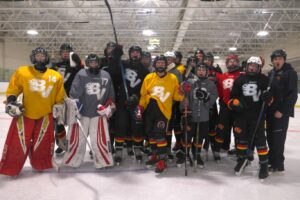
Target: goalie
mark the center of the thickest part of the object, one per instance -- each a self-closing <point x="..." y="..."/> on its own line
<point x="92" y="90"/>
<point x="31" y="130"/>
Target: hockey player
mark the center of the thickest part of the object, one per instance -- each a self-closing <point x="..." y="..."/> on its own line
<point x="199" y="54"/>
<point x="179" y="66"/>
<point x="146" y="60"/>
<point x="284" y="87"/>
<point x="111" y="63"/>
<point x="201" y="98"/>
<point x="174" y="123"/>
<point x="68" y="67"/>
<point x="225" y="122"/>
<point x="213" y="112"/>
<point x="248" y="93"/>
<point x="31" y="130"/>
<point x="158" y="92"/>
<point x="92" y="88"/>
<point x="128" y="127"/>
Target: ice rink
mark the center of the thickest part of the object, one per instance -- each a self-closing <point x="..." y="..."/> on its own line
<point x="135" y="182"/>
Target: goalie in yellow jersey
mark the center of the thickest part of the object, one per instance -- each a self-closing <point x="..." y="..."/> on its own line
<point x="31" y="130"/>
<point x="158" y="92"/>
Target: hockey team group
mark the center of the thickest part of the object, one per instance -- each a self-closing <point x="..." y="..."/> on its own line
<point x="138" y="104"/>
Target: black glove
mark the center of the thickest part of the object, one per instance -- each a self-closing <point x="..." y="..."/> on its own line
<point x="133" y="100"/>
<point x="117" y="52"/>
<point x="76" y="59"/>
<point x="202" y="95"/>
<point x="235" y="105"/>
<point x="266" y="96"/>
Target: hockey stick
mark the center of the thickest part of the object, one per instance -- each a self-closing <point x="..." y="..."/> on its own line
<point x="116" y="39"/>
<point x="261" y="113"/>
<point x="185" y="133"/>
<point x="197" y="138"/>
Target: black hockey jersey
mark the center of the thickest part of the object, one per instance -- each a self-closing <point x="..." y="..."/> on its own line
<point x="134" y="74"/>
<point x="248" y="90"/>
<point x="67" y="72"/>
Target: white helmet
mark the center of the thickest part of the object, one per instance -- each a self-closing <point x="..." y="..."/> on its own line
<point x="254" y="59"/>
<point x="170" y="54"/>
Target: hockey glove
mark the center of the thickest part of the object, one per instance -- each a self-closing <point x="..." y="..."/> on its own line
<point x="118" y="51"/>
<point x="138" y="113"/>
<point x="202" y="95"/>
<point x="133" y="100"/>
<point x="267" y="97"/>
<point x="185" y="87"/>
<point x="235" y="105"/>
<point x="58" y="113"/>
<point x="76" y="59"/>
<point x="14" y="109"/>
<point x="104" y="111"/>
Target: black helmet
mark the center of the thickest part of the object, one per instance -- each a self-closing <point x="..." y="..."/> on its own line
<point x="191" y="59"/>
<point x="135" y="48"/>
<point x="278" y="53"/>
<point x="42" y="51"/>
<point x="157" y="58"/>
<point x="109" y="45"/>
<point x="146" y="54"/>
<point x="40" y="66"/>
<point x="199" y="66"/>
<point x="66" y="46"/>
<point x="92" y="57"/>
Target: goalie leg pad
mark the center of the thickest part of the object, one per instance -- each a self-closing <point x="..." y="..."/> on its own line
<point x="76" y="143"/>
<point x="16" y="146"/>
<point x="41" y="150"/>
<point x="100" y="142"/>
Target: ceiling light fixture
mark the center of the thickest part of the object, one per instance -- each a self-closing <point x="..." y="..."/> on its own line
<point x="232" y="48"/>
<point x="216" y="57"/>
<point x="262" y="33"/>
<point x="148" y="32"/>
<point x="32" y="32"/>
<point x="151" y="47"/>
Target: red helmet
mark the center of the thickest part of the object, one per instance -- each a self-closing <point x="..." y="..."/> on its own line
<point x="232" y="68"/>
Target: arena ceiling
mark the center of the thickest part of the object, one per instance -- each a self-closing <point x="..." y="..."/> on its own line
<point x="156" y="25"/>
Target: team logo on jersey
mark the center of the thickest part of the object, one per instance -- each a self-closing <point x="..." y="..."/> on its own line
<point x="228" y="83"/>
<point x="159" y="91"/>
<point x="63" y="73"/>
<point x="250" y="90"/>
<point x="95" y="89"/>
<point x="131" y="76"/>
<point x="39" y="85"/>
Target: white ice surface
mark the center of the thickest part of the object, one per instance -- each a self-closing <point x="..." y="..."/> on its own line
<point x="133" y="181"/>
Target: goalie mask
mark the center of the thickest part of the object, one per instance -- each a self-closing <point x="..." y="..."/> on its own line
<point x="253" y="66"/>
<point x="93" y="63"/>
<point x="40" y="58"/>
<point x="160" y="64"/>
<point x="135" y="53"/>
<point x="232" y="63"/>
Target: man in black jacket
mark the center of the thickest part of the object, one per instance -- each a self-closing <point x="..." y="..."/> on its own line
<point x="285" y="94"/>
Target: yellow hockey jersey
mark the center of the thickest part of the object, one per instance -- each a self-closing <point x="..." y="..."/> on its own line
<point x="181" y="69"/>
<point x="164" y="90"/>
<point x="40" y="90"/>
